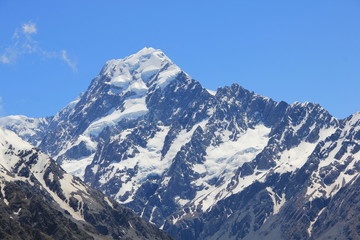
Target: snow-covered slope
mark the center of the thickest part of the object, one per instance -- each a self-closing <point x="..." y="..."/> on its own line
<point x="30" y="129"/>
<point x="28" y="164"/>
<point x="200" y="164"/>
<point x="41" y="201"/>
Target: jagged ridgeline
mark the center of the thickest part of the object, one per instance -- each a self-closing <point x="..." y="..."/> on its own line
<point x="199" y="164"/>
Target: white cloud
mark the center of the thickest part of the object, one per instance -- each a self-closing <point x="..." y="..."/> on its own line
<point x="29" y="28"/>
<point x="4" y="59"/>
<point x="22" y="43"/>
<point x="10" y="54"/>
<point x="70" y="62"/>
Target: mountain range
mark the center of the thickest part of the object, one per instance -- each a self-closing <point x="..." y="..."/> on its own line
<point x="200" y="164"/>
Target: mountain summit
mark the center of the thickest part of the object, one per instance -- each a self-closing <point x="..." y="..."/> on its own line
<point x="229" y="165"/>
<point x="134" y="73"/>
<point x="120" y="94"/>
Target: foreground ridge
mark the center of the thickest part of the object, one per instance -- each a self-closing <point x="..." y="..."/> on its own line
<point x="39" y="200"/>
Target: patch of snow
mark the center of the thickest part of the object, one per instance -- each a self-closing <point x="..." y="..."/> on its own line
<point x="277" y="200"/>
<point x="2" y="189"/>
<point x="309" y="230"/>
<point x="294" y="158"/>
<point x="18" y="211"/>
<point x="222" y="161"/>
<point x="211" y="92"/>
<point x="89" y="143"/>
<point x="180" y="201"/>
<point x="51" y="176"/>
<point x="133" y="109"/>
<point x="151" y="215"/>
<point x="77" y="166"/>
<point x="199" y="168"/>
<point x="182" y="138"/>
<point x="108" y="202"/>
<point x="165" y="77"/>
<point x="230" y="155"/>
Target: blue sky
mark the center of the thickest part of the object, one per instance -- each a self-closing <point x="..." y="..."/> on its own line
<point x="287" y="50"/>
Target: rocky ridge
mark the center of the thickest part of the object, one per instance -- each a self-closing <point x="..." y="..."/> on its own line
<point x="39" y="200"/>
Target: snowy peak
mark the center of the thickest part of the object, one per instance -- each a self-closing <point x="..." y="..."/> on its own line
<point x="136" y="71"/>
<point x="144" y="86"/>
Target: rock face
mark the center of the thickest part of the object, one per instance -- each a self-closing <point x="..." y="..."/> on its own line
<point x="39" y="200"/>
<point x="204" y="165"/>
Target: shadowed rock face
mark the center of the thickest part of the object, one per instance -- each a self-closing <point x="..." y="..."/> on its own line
<point x="39" y="200"/>
<point x="203" y="165"/>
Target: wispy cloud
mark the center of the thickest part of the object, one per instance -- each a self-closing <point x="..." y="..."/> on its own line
<point x="4" y="59"/>
<point x="70" y="62"/>
<point x="23" y="42"/>
<point x="29" y="28"/>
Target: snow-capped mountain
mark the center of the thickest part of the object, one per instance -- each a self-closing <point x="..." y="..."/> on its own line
<point x="39" y="200"/>
<point x="229" y="164"/>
